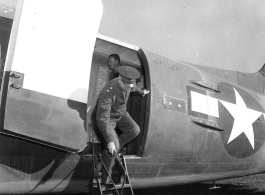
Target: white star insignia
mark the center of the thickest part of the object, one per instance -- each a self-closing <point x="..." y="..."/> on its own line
<point x="243" y="118"/>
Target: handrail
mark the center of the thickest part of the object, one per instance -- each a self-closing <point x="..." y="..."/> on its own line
<point x="39" y="142"/>
<point x="207" y="126"/>
<point x="205" y="86"/>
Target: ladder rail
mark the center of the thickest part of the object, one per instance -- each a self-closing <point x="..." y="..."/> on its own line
<point x="124" y="169"/>
<point x="127" y="174"/>
<point x="118" y="189"/>
<point x="98" y="181"/>
<point x="108" y="175"/>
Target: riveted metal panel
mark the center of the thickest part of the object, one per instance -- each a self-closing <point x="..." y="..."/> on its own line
<point x="174" y="103"/>
<point x="170" y="132"/>
<point x="43" y="118"/>
<point x="253" y="81"/>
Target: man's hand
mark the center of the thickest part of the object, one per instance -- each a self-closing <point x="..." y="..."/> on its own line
<point x="111" y="147"/>
<point x="145" y="92"/>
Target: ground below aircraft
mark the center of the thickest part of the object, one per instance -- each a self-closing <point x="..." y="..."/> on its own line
<point x="197" y="124"/>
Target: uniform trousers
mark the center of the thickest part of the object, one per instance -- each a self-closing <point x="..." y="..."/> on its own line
<point x="130" y="130"/>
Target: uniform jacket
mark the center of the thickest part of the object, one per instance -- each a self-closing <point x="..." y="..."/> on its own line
<point x="112" y="105"/>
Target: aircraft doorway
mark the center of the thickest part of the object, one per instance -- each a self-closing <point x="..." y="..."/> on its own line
<point x="99" y="77"/>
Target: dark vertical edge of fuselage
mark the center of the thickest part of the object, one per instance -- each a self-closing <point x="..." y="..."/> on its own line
<point x="148" y="102"/>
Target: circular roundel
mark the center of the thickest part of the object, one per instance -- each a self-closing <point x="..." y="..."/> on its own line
<point x="242" y="117"/>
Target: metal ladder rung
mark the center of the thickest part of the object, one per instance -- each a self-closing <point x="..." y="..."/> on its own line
<point x="119" y="186"/>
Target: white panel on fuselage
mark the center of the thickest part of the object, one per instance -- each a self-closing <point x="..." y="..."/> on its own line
<point x="204" y="104"/>
<point x="55" y="44"/>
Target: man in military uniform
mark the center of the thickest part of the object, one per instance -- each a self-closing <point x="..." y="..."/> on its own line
<point x="111" y="112"/>
<point x="114" y="63"/>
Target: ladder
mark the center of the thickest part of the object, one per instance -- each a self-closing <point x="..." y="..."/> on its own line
<point x="117" y="189"/>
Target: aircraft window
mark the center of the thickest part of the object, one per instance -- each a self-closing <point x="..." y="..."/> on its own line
<point x="7" y="12"/>
<point x="5" y="31"/>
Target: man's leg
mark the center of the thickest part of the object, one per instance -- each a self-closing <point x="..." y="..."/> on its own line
<point x="108" y="160"/>
<point x="129" y="128"/>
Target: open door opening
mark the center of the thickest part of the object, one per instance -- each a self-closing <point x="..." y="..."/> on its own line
<point x="99" y="77"/>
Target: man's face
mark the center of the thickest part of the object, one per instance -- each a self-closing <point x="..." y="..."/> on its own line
<point x="112" y="62"/>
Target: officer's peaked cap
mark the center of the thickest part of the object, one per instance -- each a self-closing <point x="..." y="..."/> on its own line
<point x="128" y="74"/>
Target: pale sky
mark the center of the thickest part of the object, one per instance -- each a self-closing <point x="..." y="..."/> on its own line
<point x="222" y="34"/>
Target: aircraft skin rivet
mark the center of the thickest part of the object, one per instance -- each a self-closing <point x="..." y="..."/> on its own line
<point x="164" y="100"/>
<point x="157" y="61"/>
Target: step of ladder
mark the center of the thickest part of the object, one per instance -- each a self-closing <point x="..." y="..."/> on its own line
<point x="118" y="186"/>
<point x="119" y="189"/>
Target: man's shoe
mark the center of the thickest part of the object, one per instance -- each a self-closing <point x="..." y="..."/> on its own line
<point x="108" y="185"/>
<point x="121" y="179"/>
<point x="118" y="159"/>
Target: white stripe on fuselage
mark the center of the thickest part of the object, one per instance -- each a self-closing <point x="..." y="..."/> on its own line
<point x="204" y="104"/>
